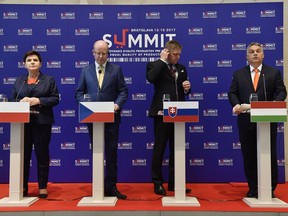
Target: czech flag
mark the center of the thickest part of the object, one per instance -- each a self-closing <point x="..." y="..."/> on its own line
<point x="184" y="111"/>
<point x="268" y="111"/>
<point x="90" y="112"/>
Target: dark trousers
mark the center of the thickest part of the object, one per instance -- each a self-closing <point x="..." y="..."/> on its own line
<point x="248" y="140"/>
<point x="39" y="136"/>
<point x="163" y="133"/>
<point x="111" y="134"/>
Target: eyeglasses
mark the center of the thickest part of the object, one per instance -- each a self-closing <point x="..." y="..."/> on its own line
<point x="99" y="54"/>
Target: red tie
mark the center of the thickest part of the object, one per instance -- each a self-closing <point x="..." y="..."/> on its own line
<point x="172" y="70"/>
<point x="256" y="78"/>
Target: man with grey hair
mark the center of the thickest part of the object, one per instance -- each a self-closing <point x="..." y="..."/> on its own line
<point x="267" y="83"/>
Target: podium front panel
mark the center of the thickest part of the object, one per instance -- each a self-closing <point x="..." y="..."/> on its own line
<point x="90" y="112"/>
<point x="268" y="111"/>
<point x="181" y="111"/>
<point x="14" y="112"/>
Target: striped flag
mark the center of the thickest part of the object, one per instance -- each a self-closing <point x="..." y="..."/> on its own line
<point x="181" y="111"/>
<point x="14" y="112"/>
<point x="268" y="111"/>
<point x="90" y="112"/>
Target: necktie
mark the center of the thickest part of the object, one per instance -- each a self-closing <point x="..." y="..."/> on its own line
<point x="172" y="70"/>
<point x="100" y="75"/>
<point x="256" y="78"/>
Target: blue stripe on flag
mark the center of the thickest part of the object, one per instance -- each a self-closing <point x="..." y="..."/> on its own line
<point x="185" y="112"/>
<point x="84" y="112"/>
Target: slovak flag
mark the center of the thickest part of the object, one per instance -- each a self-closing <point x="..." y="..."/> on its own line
<point x="181" y="111"/>
<point x="90" y="112"/>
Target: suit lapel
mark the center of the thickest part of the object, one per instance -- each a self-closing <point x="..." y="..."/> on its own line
<point x="93" y="73"/>
<point x="247" y="74"/>
<point x="106" y="74"/>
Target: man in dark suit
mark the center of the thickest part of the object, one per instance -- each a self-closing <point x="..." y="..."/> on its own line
<point x="169" y="78"/>
<point x="270" y="89"/>
<point x="104" y="81"/>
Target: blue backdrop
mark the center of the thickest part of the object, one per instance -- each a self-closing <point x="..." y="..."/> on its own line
<point x="214" y="37"/>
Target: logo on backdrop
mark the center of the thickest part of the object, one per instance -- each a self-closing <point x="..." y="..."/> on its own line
<point x="67" y="145"/>
<point x="82" y="162"/>
<point x="125" y="145"/>
<point x="139" y="162"/>
<point x="39" y="15"/>
<point x="196" y="162"/>
<point x="137" y="45"/>
<point x="55" y="162"/>
<point x="225" y="162"/>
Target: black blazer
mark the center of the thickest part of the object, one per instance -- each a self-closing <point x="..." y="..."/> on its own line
<point x="242" y="86"/>
<point x="158" y="73"/>
<point x="47" y="92"/>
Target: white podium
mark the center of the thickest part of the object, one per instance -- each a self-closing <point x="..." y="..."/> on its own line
<point x="16" y="113"/>
<point x="97" y="113"/>
<point x="179" y="113"/>
<point x="265" y="112"/>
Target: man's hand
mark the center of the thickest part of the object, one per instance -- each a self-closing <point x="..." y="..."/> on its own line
<point x="186" y="85"/>
<point x="236" y="109"/>
<point x="164" y="55"/>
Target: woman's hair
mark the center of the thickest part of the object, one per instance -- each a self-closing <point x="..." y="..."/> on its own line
<point x="32" y="52"/>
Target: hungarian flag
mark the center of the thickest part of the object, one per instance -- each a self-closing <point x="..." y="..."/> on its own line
<point x="90" y="112"/>
<point x="268" y="111"/>
<point x="181" y="111"/>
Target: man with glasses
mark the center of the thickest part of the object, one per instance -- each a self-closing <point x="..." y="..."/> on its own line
<point x="104" y="81"/>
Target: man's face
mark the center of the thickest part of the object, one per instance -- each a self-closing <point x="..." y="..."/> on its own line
<point x="174" y="55"/>
<point x="255" y="55"/>
<point x="100" y="53"/>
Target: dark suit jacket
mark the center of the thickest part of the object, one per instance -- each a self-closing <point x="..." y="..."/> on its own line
<point x="241" y="87"/>
<point x="113" y="86"/>
<point x="157" y="72"/>
<point x="47" y="92"/>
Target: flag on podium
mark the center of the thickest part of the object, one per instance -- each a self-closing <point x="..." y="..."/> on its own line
<point x="181" y="111"/>
<point x="90" y="112"/>
<point x="268" y="111"/>
<point x="14" y="112"/>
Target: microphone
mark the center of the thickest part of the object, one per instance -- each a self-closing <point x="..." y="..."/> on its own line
<point x="16" y="99"/>
<point x="264" y="84"/>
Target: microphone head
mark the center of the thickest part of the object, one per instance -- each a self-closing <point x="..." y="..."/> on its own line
<point x="99" y="71"/>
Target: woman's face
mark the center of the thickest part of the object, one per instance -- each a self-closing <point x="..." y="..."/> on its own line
<point x="32" y="63"/>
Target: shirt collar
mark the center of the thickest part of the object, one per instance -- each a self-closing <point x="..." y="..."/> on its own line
<point x="98" y="65"/>
<point x="259" y="68"/>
